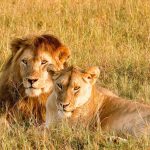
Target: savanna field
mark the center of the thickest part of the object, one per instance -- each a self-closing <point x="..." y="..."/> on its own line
<point x="113" y="34"/>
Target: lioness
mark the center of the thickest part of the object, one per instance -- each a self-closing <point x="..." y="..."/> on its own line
<point x="79" y="99"/>
<point x="25" y="82"/>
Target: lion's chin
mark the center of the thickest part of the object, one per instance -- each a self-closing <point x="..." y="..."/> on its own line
<point x="31" y="92"/>
<point x="64" y="114"/>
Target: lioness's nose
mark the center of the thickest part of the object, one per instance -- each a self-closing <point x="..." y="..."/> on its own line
<point x="31" y="81"/>
<point x="64" y="105"/>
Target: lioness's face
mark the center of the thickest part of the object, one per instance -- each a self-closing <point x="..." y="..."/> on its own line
<point x="73" y="88"/>
<point x="33" y="70"/>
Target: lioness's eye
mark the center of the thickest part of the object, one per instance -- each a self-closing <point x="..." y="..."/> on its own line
<point x="59" y="86"/>
<point x="76" y="88"/>
<point x="44" y="62"/>
<point x="24" y="61"/>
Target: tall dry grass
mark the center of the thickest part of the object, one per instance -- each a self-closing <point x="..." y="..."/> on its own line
<point x="114" y="35"/>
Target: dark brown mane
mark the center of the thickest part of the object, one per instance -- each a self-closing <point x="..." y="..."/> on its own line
<point x="34" y="42"/>
<point x="5" y="66"/>
<point x="47" y="39"/>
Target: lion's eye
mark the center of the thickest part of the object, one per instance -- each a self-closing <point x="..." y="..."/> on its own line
<point x="24" y="61"/>
<point x="43" y="62"/>
<point x="59" y="86"/>
<point x="76" y="88"/>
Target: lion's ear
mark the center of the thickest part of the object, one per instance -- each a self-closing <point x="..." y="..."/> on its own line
<point x="16" y="45"/>
<point x="62" y="55"/>
<point x="92" y="74"/>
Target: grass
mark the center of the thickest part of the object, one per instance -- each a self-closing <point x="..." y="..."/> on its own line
<point x="114" y="35"/>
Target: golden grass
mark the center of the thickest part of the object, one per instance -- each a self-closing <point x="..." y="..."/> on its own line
<point x="114" y="35"/>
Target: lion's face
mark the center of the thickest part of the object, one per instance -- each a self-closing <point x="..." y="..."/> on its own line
<point x="32" y="56"/>
<point x="73" y="88"/>
<point x="33" y="70"/>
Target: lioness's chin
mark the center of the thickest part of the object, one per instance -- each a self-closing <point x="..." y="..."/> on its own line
<point x="33" y="92"/>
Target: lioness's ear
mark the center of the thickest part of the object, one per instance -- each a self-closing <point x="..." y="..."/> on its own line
<point x="52" y="71"/>
<point x="62" y="55"/>
<point x="16" y="44"/>
<point x="92" y="74"/>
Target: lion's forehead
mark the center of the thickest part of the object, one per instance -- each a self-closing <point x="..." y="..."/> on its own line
<point x="37" y="55"/>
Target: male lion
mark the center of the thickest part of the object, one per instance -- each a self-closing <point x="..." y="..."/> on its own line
<point x="25" y="82"/>
<point x="79" y="99"/>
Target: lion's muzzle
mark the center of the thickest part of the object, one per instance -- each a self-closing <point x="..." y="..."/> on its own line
<point x="32" y="81"/>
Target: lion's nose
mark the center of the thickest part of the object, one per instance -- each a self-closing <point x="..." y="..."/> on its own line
<point x="31" y="81"/>
<point x="64" y="105"/>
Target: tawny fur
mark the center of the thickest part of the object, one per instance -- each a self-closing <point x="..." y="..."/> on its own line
<point x="102" y="107"/>
<point x="13" y="97"/>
